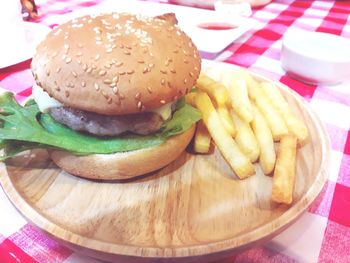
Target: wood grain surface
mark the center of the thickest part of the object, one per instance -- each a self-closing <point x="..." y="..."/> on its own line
<point x="192" y="208"/>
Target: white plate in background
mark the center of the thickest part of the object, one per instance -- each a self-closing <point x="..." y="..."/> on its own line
<point x="34" y="34"/>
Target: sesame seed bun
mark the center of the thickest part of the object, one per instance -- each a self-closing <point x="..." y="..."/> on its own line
<point x="123" y="165"/>
<point x="116" y="64"/>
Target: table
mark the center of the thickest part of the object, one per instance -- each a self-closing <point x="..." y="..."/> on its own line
<point x="322" y="234"/>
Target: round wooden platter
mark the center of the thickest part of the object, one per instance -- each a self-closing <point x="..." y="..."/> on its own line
<point x="193" y="209"/>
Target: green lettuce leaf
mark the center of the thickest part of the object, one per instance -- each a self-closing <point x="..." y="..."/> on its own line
<point x="25" y="127"/>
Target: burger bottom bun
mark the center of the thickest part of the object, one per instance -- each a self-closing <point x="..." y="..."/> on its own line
<point x="123" y="165"/>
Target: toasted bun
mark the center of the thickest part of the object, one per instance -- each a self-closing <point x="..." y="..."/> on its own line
<point x="116" y="64"/>
<point x="123" y="165"/>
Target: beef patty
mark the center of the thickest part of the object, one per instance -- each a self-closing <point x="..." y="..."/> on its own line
<point x="141" y="123"/>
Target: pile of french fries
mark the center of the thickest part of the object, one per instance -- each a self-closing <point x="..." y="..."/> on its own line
<point x="249" y="121"/>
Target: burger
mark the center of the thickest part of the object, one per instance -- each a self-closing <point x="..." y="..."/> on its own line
<point x="108" y="100"/>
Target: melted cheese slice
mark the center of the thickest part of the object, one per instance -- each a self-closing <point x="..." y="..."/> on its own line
<point x="43" y="99"/>
<point x="164" y="111"/>
<point x="45" y="102"/>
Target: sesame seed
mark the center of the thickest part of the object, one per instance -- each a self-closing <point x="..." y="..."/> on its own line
<point x="185" y="81"/>
<point x="98" y="30"/>
<point x="169" y="84"/>
<point x="97" y="57"/>
<point x="64" y="56"/>
<point x="166" y="63"/>
<point x="162" y="81"/>
<point x="47" y="72"/>
<point x="138" y="96"/>
<point x="149" y="89"/>
<point x="195" y="68"/>
<point x="109" y="50"/>
<point x="176" y="51"/>
<point x="191" y="74"/>
<point x="115" y="90"/>
<point x="102" y="72"/>
<point x="66" y="37"/>
<point x="89" y="70"/>
<point x="130" y="72"/>
<point x="126" y="52"/>
<point x="118" y="64"/>
<point x="141" y="61"/>
<point x="109" y="100"/>
<point x="74" y="74"/>
<point x="173" y="71"/>
<point x="66" y="46"/>
<point x="115" y="79"/>
<point x="128" y="47"/>
<point x="68" y="60"/>
<point x="54" y="54"/>
<point x="122" y="73"/>
<point x="83" y="84"/>
<point x="145" y="70"/>
<point x="121" y="46"/>
<point x="162" y="101"/>
<point x="79" y="61"/>
<point x="104" y="94"/>
<point x="98" y="42"/>
<point x="107" y="81"/>
<point x="85" y="67"/>
<point x="151" y="65"/>
<point x="97" y="87"/>
<point x="121" y="96"/>
<point x="108" y="66"/>
<point x="80" y="45"/>
<point x="185" y="61"/>
<point x="139" y="104"/>
<point x="66" y="93"/>
<point x="163" y="71"/>
<point x="57" y="88"/>
<point x="70" y="84"/>
<point x="93" y="66"/>
<point x="195" y="56"/>
<point x="79" y="54"/>
<point x="113" y="84"/>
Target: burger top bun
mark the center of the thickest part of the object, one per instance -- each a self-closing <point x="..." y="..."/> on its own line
<point x="116" y="64"/>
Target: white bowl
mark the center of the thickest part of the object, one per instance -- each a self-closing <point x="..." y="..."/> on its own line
<point x="316" y="58"/>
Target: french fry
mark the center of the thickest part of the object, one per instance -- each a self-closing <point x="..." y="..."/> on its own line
<point x="215" y="90"/>
<point x="294" y="124"/>
<point x="274" y="119"/>
<point x="237" y="88"/>
<point x="202" y="138"/>
<point x="252" y="84"/>
<point x="215" y="73"/>
<point x="239" y="163"/>
<point x="284" y="175"/>
<point x="189" y="98"/>
<point x="226" y="120"/>
<point x="245" y="139"/>
<point x="263" y="135"/>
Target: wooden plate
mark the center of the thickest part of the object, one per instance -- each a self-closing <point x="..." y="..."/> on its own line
<point x="192" y="209"/>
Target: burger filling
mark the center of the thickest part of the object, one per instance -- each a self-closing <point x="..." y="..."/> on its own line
<point x="141" y="123"/>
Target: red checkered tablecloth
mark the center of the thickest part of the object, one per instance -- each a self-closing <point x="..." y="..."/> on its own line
<point x="322" y="234"/>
